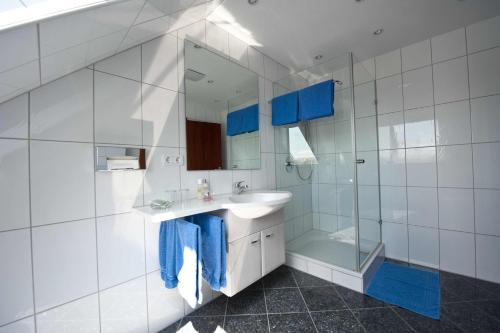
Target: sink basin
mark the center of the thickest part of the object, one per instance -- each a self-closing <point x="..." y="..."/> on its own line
<point x="252" y="205"/>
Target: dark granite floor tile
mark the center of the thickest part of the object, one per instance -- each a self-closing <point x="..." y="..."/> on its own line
<point x="307" y="280"/>
<point x="427" y="325"/>
<point x="322" y="298"/>
<point x="291" y="323"/>
<point x="281" y="277"/>
<point x="490" y="307"/>
<point x="462" y="289"/>
<point x="204" y="324"/>
<point x="172" y="328"/>
<point x="357" y="300"/>
<point x="493" y="288"/>
<point x="245" y="324"/>
<point x="382" y="320"/>
<point x="258" y="285"/>
<point x="470" y="318"/>
<point x="336" y="321"/>
<point x="247" y="302"/>
<point x="284" y="300"/>
<point x="217" y="307"/>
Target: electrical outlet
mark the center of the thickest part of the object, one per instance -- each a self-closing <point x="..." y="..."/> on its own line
<point x="179" y="160"/>
<point x="166" y="160"/>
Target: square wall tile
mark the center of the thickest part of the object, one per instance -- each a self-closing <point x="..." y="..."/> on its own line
<point x="344" y="200"/>
<point x="487" y="249"/>
<point x="165" y="306"/>
<point x="64" y="252"/>
<point x="16" y="291"/>
<point x="451" y="82"/>
<point x="457" y="252"/>
<point x="14" y="118"/>
<point x="424" y="246"/>
<point x="395" y="238"/>
<point x="118" y="192"/>
<point x="416" y="55"/>
<point x="393" y="203"/>
<point x="368" y="172"/>
<point x="217" y="38"/>
<point x="160" y="116"/>
<point x="392" y="167"/>
<point x="159" y="62"/>
<point x="421" y="166"/>
<point x="343" y="138"/>
<point x="453" y="123"/>
<point x="118" y="116"/>
<point x="63" y="110"/>
<point x="483" y="34"/>
<point x="417" y="88"/>
<point x="120" y="246"/>
<point x="423" y="206"/>
<point x="26" y="325"/>
<point x="193" y="32"/>
<point x="486" y="165"/>
<point x="390" y="94"/>
<point x="20" y="46"/>
<point x="160" y="176"/>
<point x="391" y="131"/>
<point x="449" y="45"/>
<point x="152" y="240"/>
<point x="270" y="69"/>
<point x="328" y="222"/>
<point x="484" y="73"/>
<point x="485" y="118"/>
<point x="366" y="134"/>
<point x="126" y="64"/>
<point x="455" y="166"/>
<point x="364" y="71"/>
<point x="14" y="184"/>
<point x="419" y="127"/>
<point x="368" y="200"/>
<point x="124" y="307"/>
<point x="388" y="64"/>
<point x="19" y="80"/>
<point x="487" y="211"/>
<point x="364" y="102"/>
<point x="81" y="315"/>
<point x="256" y="61"/>
<point x="221" y="181"/>
<point x="238" y="50"/>
<point x="456" y="209"/>
<point x="62" y="181"/>
<point x="344" y="168"/>
<point x="325" y="139"/>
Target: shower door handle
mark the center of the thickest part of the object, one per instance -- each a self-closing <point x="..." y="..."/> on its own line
<point x="360" y="161"/>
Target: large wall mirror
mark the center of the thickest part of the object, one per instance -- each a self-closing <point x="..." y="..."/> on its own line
<point x="222" y="112"/>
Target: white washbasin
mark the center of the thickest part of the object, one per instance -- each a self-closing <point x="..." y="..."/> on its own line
<point x="251" y="205"/>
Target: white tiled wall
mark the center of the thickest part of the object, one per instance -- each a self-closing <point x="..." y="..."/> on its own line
<point x="439" y="132"/>
<point x="73" y="256"/>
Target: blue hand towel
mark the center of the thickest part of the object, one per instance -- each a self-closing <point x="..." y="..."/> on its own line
<point x="243" y="121"/>
<point x="213" y="240"/>
<point x="285" y="109"/>
<point x="180" y="258"/>
<point x="316" y="101"/>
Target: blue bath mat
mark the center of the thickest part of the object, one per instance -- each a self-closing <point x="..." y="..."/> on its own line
<point x="410" y="288"/>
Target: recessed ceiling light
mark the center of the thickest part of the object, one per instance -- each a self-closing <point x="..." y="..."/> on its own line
<point x="196" y="46"/>
<point x="378" y="32"/>
<point x="318" y="57"/>
<point x="210" y="81"/>
<point x="252" y="2"/>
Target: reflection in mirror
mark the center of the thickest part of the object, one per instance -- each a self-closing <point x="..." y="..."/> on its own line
<point x="222" y="112"/>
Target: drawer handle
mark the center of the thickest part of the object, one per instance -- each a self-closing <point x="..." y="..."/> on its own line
<point x="254" y="242"/>
<point x="269" y="236"/>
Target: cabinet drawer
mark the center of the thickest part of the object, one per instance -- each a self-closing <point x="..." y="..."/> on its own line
<point x="273" y="248"/>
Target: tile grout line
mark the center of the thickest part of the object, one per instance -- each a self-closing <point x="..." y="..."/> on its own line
<point x="402" y="319"/>
<point x="303" y="300"/>
<point x="265" y="304"/>
<point x="349" y="309"/>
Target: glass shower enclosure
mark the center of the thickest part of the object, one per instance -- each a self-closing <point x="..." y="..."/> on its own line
<point x="331" y="165"/>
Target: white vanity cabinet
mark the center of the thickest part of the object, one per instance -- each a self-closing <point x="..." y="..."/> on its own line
<point x="254" y="255"/>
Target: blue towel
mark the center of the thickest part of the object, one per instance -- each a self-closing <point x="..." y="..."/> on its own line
<point x="316" y="101"/>
<point x="285" y="109"/>
<point x="243" y="121"/>
<point x="213" y="240"/>
<point x="410" y="288"/>
<point x="180" y="258"/>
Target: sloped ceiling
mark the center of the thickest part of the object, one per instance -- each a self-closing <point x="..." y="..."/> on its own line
<point x="294" y="31"/>
<point x="37" y="47"/>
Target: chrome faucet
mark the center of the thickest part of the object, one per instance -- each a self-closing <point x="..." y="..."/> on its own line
<point x="239" y="188"/>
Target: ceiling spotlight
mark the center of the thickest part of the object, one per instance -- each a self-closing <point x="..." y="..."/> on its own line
<point x="196" y="46"/>
<point x="378" y="32"/>
<point x="318" y="57"/>
<point x="210" y="81"/>
<point x="252" y="2"/>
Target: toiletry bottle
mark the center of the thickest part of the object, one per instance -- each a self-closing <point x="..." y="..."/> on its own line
<point x="206" y="190"/>
<point x="200" y="189"/>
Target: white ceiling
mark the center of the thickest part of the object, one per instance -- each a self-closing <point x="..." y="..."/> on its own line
<point x="294" y="31"/>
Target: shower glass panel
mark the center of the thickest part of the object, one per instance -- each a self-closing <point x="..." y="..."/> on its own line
<point x="316" y="161"/>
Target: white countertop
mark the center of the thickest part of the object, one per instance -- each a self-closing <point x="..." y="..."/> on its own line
<point x="184" y="208"/>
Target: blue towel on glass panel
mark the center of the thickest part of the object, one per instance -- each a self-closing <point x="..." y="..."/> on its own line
<point x="234" y="123"/>
<point x="243" y="121"/>
<point x="180" y="258"/>
<point x="316" y="101"/>
<point x="285" y="109"/>
<point x="213" y="240"/>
